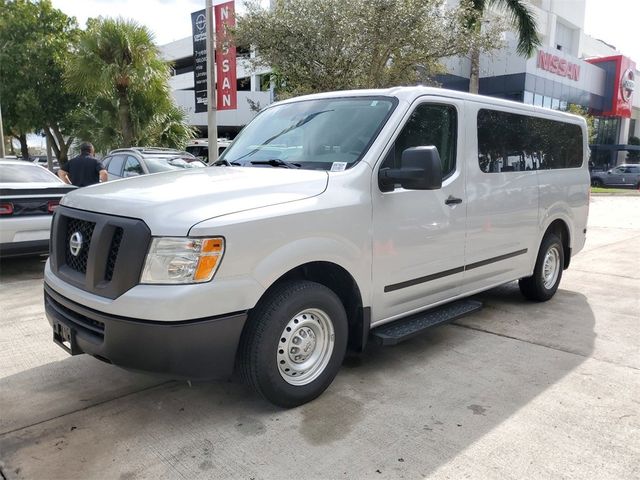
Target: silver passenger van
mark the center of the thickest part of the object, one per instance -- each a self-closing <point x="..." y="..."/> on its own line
<point x="332" y="220"/>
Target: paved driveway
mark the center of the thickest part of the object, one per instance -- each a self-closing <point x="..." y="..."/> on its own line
<point x="519" y="390"/>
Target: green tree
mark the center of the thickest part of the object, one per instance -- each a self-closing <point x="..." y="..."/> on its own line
<point x="590" y="119"/>
<point x="125" y="83"/>
<point x="521" y="17"/>
<point x="36" y="41"/>
<point x="315" y="46"/>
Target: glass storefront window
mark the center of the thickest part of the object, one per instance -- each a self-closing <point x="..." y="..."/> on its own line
<point x="528" y="98"/>
<point x="537" y="100"/>
<point x="546" y="102"/>
<point x="555" y="103"/>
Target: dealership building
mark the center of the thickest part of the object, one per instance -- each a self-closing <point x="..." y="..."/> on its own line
<point x="569" y="68"/>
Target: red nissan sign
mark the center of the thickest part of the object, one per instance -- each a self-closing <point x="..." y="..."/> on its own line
<point x="620" y="85"/>
<point x="226" y="87"/>
<point x="558" y="65"/>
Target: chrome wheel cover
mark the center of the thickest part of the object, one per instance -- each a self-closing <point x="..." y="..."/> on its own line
<point x="551" y="267"/>
<point x="305" y="347"/>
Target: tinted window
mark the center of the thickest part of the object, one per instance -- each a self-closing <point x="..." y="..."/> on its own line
<point x="115" y="165"/>
<point x="509" y="142"/>
<point x="132" y="167"/>
<point x="26" y="173"/>
<point x="428" y="125"/>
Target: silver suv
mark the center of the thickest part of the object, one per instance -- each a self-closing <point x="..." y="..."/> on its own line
<point x="136" y="161"/>
<point x="620" y="176"/>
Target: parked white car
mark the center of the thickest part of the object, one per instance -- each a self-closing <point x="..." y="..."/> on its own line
<point x="339" y="218"/>
<point x="29" y="195"/>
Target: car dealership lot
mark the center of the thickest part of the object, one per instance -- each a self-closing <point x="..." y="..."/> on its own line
<point x="519" y="390"/>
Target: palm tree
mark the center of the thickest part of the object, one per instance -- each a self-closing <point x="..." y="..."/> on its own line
<point x="521" y="17"/>
<point x="118" y="62"/>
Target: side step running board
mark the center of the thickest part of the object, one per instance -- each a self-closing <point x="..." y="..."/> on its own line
<point x="400" y="330"/>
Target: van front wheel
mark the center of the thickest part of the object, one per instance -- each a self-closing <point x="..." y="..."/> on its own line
<point x="544" y="282"/>
<point x="294" y="343"/>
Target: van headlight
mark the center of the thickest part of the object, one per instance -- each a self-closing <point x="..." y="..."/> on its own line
<point x="182" y="260"/>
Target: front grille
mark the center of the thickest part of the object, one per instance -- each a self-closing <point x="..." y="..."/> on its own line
<point x="85" y="228"/>
<point x="113" y="253"/>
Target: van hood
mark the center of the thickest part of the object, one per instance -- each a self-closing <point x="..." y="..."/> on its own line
<point x="171" y="203"/>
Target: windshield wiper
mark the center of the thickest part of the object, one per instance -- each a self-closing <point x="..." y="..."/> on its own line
<point x="276" y="162"/>
<point x="226" y="163"/>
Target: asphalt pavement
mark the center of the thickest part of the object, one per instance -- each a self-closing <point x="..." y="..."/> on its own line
<point x="518" y="390"/>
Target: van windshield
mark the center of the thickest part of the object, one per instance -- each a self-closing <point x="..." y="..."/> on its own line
<point x="322" y="134"/>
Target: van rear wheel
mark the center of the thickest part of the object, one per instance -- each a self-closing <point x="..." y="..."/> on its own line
<point x="294" y="343"/>
<point x="544" y="282"/>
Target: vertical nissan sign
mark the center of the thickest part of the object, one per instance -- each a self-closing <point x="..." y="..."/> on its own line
<point x="226" y="87"/>
<point x="199" y="32"/>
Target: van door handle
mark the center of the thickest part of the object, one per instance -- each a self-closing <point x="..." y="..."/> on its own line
<point x="452" y="200"/>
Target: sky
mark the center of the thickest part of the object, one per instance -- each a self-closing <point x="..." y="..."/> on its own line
<point x="615" y="21"/>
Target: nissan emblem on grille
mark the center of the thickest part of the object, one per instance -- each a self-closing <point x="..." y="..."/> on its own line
<point x="75" y="244"/>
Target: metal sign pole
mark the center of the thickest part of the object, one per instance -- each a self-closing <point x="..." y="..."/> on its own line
<point x="211" y="87"/>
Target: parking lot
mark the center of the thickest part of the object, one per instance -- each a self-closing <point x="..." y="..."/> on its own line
<point x="519" y="390"/>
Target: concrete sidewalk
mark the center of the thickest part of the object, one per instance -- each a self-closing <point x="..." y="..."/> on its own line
<point x="519" y="390"/>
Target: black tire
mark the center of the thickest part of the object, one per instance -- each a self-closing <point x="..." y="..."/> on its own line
<point x="534" y="287"/>
<point x="259" y="353"/>
<point x="596" y="182"/>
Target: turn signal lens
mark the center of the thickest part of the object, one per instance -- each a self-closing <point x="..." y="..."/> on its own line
<point x="211" y="253"/>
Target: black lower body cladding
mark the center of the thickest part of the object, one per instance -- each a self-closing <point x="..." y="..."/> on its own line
<point x="200" y="349"/>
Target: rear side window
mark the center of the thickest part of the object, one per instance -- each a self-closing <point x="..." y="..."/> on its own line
<point x="428" y="125"/>
<point x="508" y="142"/>
<point x="115" y="165"/>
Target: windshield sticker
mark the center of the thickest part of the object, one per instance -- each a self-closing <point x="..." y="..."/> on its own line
<point x="338" y="166"/>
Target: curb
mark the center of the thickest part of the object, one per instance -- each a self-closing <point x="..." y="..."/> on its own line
<point x="631" y="193"/>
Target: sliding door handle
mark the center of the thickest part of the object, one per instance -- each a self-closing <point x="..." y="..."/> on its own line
<point x="452" y="200"/>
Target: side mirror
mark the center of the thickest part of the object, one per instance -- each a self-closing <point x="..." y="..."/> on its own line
<point x="609" y="172"/>
<point x="421" y="169"/>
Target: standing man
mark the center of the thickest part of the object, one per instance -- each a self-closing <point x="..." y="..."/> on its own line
<point x="84" y="169"/>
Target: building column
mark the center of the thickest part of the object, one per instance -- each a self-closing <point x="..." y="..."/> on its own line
<point x="623" y="138"/>
<point x="552" y="20"/>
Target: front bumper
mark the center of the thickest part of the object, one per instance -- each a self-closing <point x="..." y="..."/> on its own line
<point x="194" y="349"/>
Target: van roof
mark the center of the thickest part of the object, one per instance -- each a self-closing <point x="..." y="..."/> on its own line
<point x="409" y="94"/>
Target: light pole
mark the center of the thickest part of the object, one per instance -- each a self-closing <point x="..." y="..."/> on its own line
<point x="212" y="126"/>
